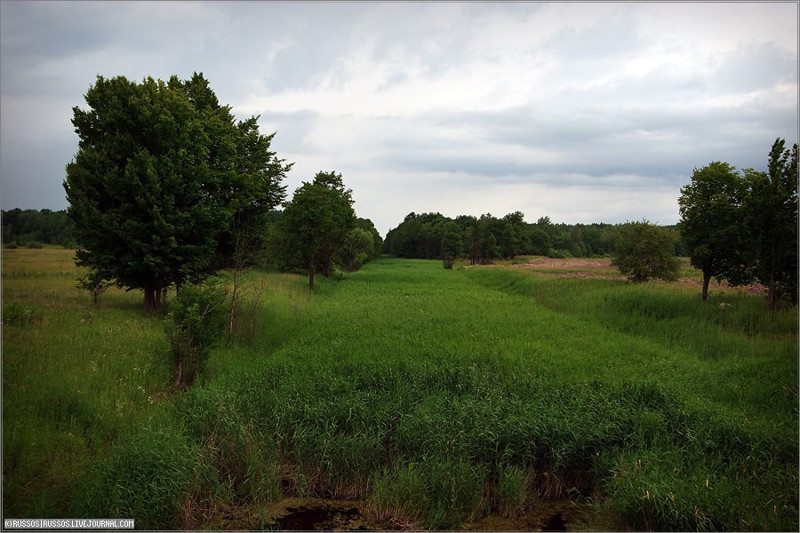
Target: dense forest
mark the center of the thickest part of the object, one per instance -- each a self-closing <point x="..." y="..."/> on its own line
<point x="486" y="238"/>
<point x="417" y="236"/>
<point x="32" y="228"/>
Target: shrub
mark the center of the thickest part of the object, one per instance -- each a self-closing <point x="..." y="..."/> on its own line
<point x="34" y="245"/>
<point x="451" y="248"/>
<point x="646" y="251"/>
<point x="195" y="323"/>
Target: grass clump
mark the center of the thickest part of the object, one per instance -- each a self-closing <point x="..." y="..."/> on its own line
<point x="512" y="491"/>
<point x="149" y="475"/>
<point x="19" y="314"/>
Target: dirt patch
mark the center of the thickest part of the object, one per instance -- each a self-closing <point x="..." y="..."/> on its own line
<point x="572" y="264"/>
<point x="601" y="268"/>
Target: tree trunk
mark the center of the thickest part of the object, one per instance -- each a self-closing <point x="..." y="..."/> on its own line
<point x="706" y="280"/>
<point x="772" y="296"/>
<point x="150" y="299"/>
<point x="178" y="375"/>
<point x="772" y="293"/>
<point x="311" y="275"/>
<point x="234" y="302"/>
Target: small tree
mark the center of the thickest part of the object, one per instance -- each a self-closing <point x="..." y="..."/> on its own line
<point x="771" y="222"/>
<point x="316" y="222"/>
<point x="646" y="251"/>
<point x="195" y="324"/>
<point x="452" y="245"/>
<point x="95" y="284"/>
<point x="711" y="224"/>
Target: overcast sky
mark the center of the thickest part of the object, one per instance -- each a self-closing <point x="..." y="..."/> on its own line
<point x="584" y="112"/>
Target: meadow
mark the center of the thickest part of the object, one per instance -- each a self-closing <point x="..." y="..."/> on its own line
<point x="434" y="398"/>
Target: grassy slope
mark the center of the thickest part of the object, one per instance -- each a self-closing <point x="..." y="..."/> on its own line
<point x="440" y="395"/>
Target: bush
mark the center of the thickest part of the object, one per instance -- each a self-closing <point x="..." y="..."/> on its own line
<point x="646" y="251"/>
<point x="195" y="324"/>
<point x="34" y="245"/>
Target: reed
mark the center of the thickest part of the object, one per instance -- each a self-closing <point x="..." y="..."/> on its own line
<point x="437" y="396"/>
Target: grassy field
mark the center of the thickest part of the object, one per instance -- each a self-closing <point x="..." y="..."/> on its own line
<point x="433" y="397"/>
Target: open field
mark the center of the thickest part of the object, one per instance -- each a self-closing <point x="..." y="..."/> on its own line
<point x="482" y="397"/>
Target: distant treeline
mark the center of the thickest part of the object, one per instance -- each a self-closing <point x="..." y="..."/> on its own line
<point x="418" y="236"/>
<point x="31" y="227"/>
<point x="486" y="238"/>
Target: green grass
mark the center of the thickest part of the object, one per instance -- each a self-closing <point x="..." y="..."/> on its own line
<point x="437" y="396"/>
<point x="73" y="375"/>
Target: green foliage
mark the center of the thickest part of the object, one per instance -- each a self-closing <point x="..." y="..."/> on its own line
<point x="711" y="224"/>
<point x="646" y="251"/>
<point x="356" y="249"/>
<point x="73" y="377"/>
<point x="403" y="387"/>
<point x="44" y="226"/>
<point x="771" y="223"/>
<point x="149" y="475"/>
<point x="315" y="224"/>
<point x="18" y="314"/>
<point x="488" y="237"/>
<point x="160" y="173"/>
<point x="195" y="323"/>
<point x="743" y="227"/>
<point x="94" y="283"/>
<point x="512" y="490"/>
<point x="452" y="247"/>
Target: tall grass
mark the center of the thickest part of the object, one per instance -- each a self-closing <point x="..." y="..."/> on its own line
<point x="73" y="375"/>
<point x="440" y="396"/>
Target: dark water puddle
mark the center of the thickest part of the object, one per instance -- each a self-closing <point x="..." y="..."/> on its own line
<point x="555" y="523"/>
<point x="558" y="515"/>
<point x="310" y="514"/>
<point x="320" y="518"/>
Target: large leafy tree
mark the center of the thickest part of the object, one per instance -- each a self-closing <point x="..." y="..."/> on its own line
<point x="161" y="171"/>
<point x="711" y="224"/>
<point x="315" y="223"/>
<point x="771" y="222"/>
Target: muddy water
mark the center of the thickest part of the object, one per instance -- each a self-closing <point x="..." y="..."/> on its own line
<point x="310" y="514"/>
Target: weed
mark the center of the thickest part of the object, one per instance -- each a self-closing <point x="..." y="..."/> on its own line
<point x="18" y="314"/>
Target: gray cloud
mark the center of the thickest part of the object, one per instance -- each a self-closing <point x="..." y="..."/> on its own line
<point x="453" y="107"/>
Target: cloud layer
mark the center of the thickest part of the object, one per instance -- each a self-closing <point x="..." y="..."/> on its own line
<point x="582" y="112"/>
